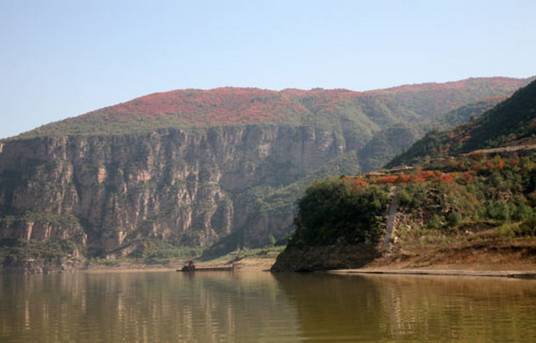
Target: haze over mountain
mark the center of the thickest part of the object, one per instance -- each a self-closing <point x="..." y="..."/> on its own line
<point x="215" y="169"/>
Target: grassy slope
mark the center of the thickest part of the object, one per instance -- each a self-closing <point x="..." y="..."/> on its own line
<point x="511" y="122"/>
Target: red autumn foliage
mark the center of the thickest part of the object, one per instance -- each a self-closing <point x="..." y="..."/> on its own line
<point x="447" y="178"/>
<point x="403" y="178"/>
<point x="360" y="182"/>
<point x="468" y="176"/>
<point x="227" y="105"/>
<point x="421" y="176"/>
<point x="387" y="179"/>
<point x="231" y="105"/>
<point x="418" y="178"/>
<point x="428" y="174"/>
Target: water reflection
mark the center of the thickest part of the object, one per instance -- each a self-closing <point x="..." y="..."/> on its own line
<point x="398" y="308"/>
<point x="255" y="306"/>
<point x="141" y="307"/>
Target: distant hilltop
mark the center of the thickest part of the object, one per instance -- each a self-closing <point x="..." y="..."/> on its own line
<point x="229" y="106"/>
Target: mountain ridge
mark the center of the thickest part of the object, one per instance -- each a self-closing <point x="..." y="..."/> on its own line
<point x="512" y="120"/>
<point x="238" y="106"/>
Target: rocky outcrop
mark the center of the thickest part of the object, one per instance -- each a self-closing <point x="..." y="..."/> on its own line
<point x="188" y="186"/>
<point x="42" y="265"/>
<point x="316" y="258"/>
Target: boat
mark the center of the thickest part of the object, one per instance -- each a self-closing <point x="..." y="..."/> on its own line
<point x="190" y="267"/>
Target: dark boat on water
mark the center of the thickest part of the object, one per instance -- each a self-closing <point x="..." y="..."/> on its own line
<point x="190" y="267"/>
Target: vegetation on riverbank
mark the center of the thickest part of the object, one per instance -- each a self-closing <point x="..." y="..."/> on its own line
<point x="447" y="204"/>
<point x="471" y="189"/>
<point x="19" y="249"/>
<point x="338" y="210"/>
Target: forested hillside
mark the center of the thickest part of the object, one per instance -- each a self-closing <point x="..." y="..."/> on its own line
<point x="464" y="194"/>
<point x="511" y="122"/>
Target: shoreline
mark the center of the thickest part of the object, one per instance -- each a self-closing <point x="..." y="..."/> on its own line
<point x="510" y="270"/>
<point x="506" y="274"/>
<point x="245" y="264"/>
<point x="515" y="274"/>
<point x="469" y="273"/>
<point x="263" y="265"/>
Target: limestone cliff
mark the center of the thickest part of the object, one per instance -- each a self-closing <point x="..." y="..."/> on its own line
<point x="187" y="186"/>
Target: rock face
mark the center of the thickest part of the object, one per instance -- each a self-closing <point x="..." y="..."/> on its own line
<point x="179" y="185"/>
<point x="42" y="265"/>
<point x="315" y="258"/>
<point x="213" y="169"/>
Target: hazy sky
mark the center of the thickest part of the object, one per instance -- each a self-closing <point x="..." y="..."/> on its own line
<point x="63" y="58"/>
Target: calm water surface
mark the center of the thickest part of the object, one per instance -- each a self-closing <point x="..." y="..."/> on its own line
<point x="261" y="307"/>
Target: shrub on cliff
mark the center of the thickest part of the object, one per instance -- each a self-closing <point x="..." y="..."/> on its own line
<point x="17" y="250"/>
<point x="527" y="228"/>
<point x="336" y="211"/>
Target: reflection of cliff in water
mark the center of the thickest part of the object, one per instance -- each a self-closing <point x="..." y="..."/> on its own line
<point x="250" y="307"/>
<point x="380" y="308"/>
<point x="133" y="307"/>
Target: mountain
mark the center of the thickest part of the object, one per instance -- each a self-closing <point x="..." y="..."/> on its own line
<point x="211" y="170"/>
<point x="512" y="122"/>
<point x="347" y="111"/>
<point x="465" y="194"/>
<point x="463" y="115"/>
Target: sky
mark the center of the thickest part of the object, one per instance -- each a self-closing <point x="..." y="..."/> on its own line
<point x="62" y="58"/>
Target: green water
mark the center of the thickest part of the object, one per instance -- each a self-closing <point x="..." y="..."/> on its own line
<point x="261" y="307"/>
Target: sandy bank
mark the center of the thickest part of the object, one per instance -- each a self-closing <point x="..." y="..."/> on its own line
<point x="519" y="274"/>
<point x="248" y="263"/>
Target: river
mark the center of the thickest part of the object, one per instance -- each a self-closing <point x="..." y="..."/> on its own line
<point x="263" y="307"/>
